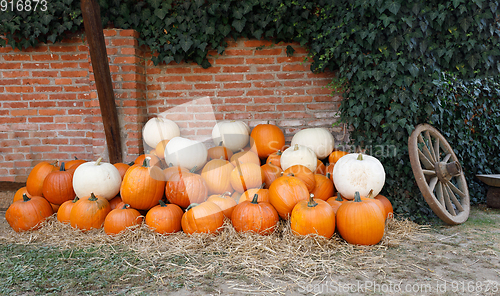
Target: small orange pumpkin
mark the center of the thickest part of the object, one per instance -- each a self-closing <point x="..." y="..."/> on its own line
<point x="205" y="217"/>
<point x="268" y="138"/>
<point x="335" y="202"/>
<point x="303" y="173"/>
<point x="255" y="216"/>
<point x="262" y="194"/>
<point x="120" y="219"/>
<point x="89" y="212"/>
<point x="19" y="194"/>
<point x="28" y="213"/>
<point x="122" y="168"/>
<point x="245" y="176"/>
<point x="313" y="216"/>
<point x="219" y="152"/>
<point x="217" y="173"/>
<point x="336" y="155"/>
<point x="270" y="173"/>
<point x="58" y="186"/>
<point x="184" y="189"/>
<point x="275" y="158"/>
<point x="164" y="218"/>
<point x="34" y="183"/>
<point x="285" y="192"/>
<point x="323" y="188"/>
<point x="64" y="211"/>
<point x="389" y="211"/>
<point x="225" y="202"/>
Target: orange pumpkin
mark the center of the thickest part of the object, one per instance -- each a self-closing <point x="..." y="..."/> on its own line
<point x="164" y="218"/>
<point x="28" y="213"/>
<point x="171" y="170"/>
<point x="219" y="152"/>
<point x="225" y="202"/>
<point x="122" y="168"/>
<point x="285" y="192"/>
<point x="245" y="176"/>
<point x="303" y="173"/>
<point x="335" y="202"/>
<point x="58" y="186"/>
<point x="160" y="148"/>
<point x="360" y="222"/>
<point x="268" y="138"/>
<point x="255" y="216"/>
<point x="329" y="170"/>
<point x="336" y="155"/>
<point x="245" y="157"/>
<point x="320" y="168"/>
<point x="19" y="194"/>
<point x="120" y="219"/>
<point x="262" y="194"/>
<point x="217" y="173"/>
<point x="113" y="203"/>
<point x="313" y="216"/>
<point x="64" y="211"/>
<point x="73" y="164"/>
<point x="205" y="217"/>
<point x="89" y="212"/>
<point x="139" y="189"/>
<point x="186" y="188"/>
<point x="270" y="173"/>
<point x="275" y="158"/>
<point x="153" y="159"/>
<point x="323" y="188"/>
<point x="34" y="183"/>
<point x="389" y="211"/>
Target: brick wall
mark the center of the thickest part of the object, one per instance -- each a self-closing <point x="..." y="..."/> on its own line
<point x="49" y="107"/>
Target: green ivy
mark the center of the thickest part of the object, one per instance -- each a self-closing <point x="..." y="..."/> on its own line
<point x="400" y="63"/>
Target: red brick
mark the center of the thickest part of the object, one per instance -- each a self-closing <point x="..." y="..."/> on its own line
<point x="172" y="70"/>
<point x="260" y="92"/>
<point x="200" y="70"/>
<point x="129" y="33"/>
<point x="237" y="85"/>
<point x="10" y="81"/>
<point x="109" y="32"/>
<point x="44" y="73"/>
<point x="291" y="75"/>
<point x="19" y="89"/>
<point x="198" y="78"/>
<point x="237" y="116"/>
<point x="271" y="68"/>
<point x="42" y="104"/>
<point x="319" y="91"/>
<point x="257" y="43"/>
<point x="298" y="83"/>
<point x="269" y="51"/>
<point x="230" y="108"/>
<point x="260" y="61"/>
<point x="48" y="89"/>
<point x="268" y="100"/>
<point x="207" y="86"/>
<point x="290" y="92"/>
<point x="125" y="42"/>
<point x="126" y="60"/>
<point x="23" y="112"/>
<point x="15" y="74"/>
<point x="235" y="69"/>
<point x="16" y="57"/>
<point x="230" y="61"/>
<point x="238" y="52"/>
<point x="10" y="65"/>
<point x="45" y="57"/>
<point x="74" y="57"/>
<point x="296" y="68"/>
<point x="230" y="93"/>
<point x="62" y="48"/>
<point x="42" y="119"/>
<point x="260" y="77"/>
<point x="74" y="73"/>
<point x="267" y="84"/>
<point x="299" y="99"/>
<point x="36" y="81"/>
<point x="238" y="100"/>
<point x="51" y="112"/>
<point x="260" y="108"/>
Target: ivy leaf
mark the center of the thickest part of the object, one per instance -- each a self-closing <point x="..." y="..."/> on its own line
<point x="155" y="3"/>
<point x="210" y="30"/>
<point x="167" y="59"/>
<point x="394" y="7"/>
<point x="46" y="18"/>
<point x="239" y="25"/>
<point x="186" y="43"/>
<point x="160" y="13"/>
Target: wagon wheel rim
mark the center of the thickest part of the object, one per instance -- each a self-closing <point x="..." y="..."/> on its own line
<point x="439" y="175"/>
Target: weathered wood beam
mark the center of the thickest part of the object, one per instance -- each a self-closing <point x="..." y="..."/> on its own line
<point x="97" y="48"/>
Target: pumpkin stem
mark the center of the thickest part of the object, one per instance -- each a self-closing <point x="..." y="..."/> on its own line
<point x="370" y="194"/>
<point x="255" y="198"/>
<point x="328" y="175"/>
<point x="62" y="169"/>
<point x="360" y="157"/>
<point x="26" y="198"/>
<point x="76" y="199"/>
<point x="191" y="206"/>
<point x="296" y="147"/>
<point x="125" y="206"/>
<point x="339" y="198"/>
<point x="75" y="157"/>
<point x="146" y="162"/>
<point x="220" y="144"/>
<point x="357" y="197"/>
<point x="54" y="163"/>
<point x="131" y="163"/>
<point x="226" y="194"/>
<point x="279" y="152"/>
<point x="193" y="169"/>
<point x="162" y="203"/>
<point x="92" y="197"/>
<point x="262" y="185"/>
<point x="98" y="161"/>
<point x="311" y="203"/>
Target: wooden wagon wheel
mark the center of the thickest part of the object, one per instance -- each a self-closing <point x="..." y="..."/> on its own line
<point x="439" y="175"/>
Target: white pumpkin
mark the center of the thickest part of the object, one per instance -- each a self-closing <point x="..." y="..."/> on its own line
<point x="298" y="154"/>
<point x="319" y="139"/>
<point x="186" y="153"/>
<point x="99" y="177"/>
<point x="358" y="172"/>
<point x="233" y="134"/>
<point x="158" y="129"/>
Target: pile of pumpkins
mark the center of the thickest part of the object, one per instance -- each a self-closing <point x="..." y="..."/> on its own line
<point x="250" y="177"/>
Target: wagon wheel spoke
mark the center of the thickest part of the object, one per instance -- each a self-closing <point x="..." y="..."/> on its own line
<point x="438" y="174"/>
<point x="453" y="198"/>
<point x="425" y="149"/>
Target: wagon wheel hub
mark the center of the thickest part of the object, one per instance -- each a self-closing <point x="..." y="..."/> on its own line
<point x="438" y="174"/>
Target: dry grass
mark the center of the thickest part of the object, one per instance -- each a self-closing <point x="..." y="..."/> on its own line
<point x="281" y="256"/>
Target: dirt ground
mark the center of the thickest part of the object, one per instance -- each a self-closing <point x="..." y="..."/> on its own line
<point x="437" y="260"/>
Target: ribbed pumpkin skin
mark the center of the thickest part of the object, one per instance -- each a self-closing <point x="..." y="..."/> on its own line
<point x="389" y="211"/>
<point x="323" y="188"/>
<point x="217" y="176"/>
<point x="225" y="202"/>
<point x="335" y="203"/>
<point x="270" y="172"/>
<point x="260" y="217"/>
<point x="302" y="173"/>
<point x="318" y="219"/>
<point x="58" y="186"/>
<point x="262" y="195"/>
<point x="64" y="211"/>
<point x="218" y="152"/>
<point x="172" y="170"/>
<point x="119" y="220"/>
<point x="285" y="192"/>
<point x="139" y="189"/>
<point x="268" y="139"/>
<point x="185" y="189"/>
<point x="88" y="213"/>
<point x="206" y="217"/>
<point x="122" y="168"/>
<point x="245" y="157"/>
<point x="19" y="194"/>
<point x="34" y="183"/>
<point x="28" y="213"/>
<point x="360" y="223"/>
<point x="165" y="218"/>
<point x="246" y="176"/>
<point x="274" y="158"/>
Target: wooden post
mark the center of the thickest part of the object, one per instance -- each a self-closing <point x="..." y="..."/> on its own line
<point x="97" y="48"/>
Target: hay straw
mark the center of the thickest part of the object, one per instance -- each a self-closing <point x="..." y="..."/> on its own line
<point x="283" y="257"/>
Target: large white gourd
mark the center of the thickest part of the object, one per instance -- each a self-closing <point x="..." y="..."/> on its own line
<point x="233" y="134"/>
<point x="298" y="154"/>
<point x="358" y="172"/>
<point x="186" y="153"/>
<point x="158" y="129"/>
<point x="319" y="139"/>
<point x="101" y="178"/>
